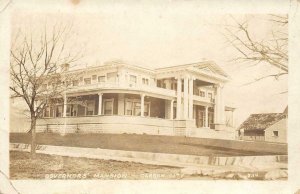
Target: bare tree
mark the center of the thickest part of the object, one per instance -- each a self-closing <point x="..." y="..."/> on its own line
<point x="35" y="71"/>
<point x="272" y="49"/>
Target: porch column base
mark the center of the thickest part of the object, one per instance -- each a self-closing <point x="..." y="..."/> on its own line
<point x="219" y="127"/>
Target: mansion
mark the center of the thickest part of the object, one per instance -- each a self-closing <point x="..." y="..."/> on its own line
<point x="117" y="97"/>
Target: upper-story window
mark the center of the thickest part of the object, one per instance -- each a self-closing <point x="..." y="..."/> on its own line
<point x="44" y="87"/>
<point x="145" y="81"/>
<point x="132" y="79"/>
<point x="202" y="93"/>
<point x="94" y="77"/>
<point x="161" y="84"/>
<point x="173" y="86"/>
<point x="101" y="78"/>
<point x="53" y="85"/>
<point x="209" y="95"/>
<point x="75" y="82"/>
<point x="112" y="77"/>
<point x="87" y="81"/>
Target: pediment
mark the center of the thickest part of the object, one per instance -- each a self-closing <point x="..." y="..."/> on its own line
<point x="210" y="69"/>
<point x="207" y="69"/>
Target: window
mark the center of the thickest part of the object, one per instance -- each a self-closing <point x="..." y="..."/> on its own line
<point x="94" y="77"/>
<point x="72" y="110"/>
<point x="145" y="81"/>
<point x="47" y="112"/>
<point x="80" y="110"/>
<point x="90" y="108"/>
<point x="275" y="133"/>
<point x="67" y="83"/>
<point x="44" y="87"/>
<point x="158" y="83"/>
<point x="68" y="112"/>
<point x="209" y="95"/>
<point x="210" y="118"/>
<point x="174" y="86"/>
<point x="75" y="83"/>
<point x="147" y="109"/>
<point x="201" y="93"/>
<point x="132" y="78"/>
<point x="112" y="77"/>
<point x="108" y="106"/>
<point x="87" y="81"/>
<point x="137" y="108"/>
<point x="133" y="107"/>
<point x="59" y="111"/>
<point x="101" y="79"/>
<point x="128" y="108"/>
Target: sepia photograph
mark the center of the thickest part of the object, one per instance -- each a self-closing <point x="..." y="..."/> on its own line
<point x="158" y="93"/>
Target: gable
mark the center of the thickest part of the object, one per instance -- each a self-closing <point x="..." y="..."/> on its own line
<point x="278" y="126"/>
<point x="207" y="69"/>
<point x="211" y="68"/>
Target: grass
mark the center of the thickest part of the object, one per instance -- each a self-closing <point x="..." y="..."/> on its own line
<point x="133" y="142"/>
<point x="62" y="167"/>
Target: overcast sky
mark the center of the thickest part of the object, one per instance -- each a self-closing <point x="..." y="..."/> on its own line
<point x="160" y="36"/>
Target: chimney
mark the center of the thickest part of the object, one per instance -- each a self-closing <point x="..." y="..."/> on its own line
<point x="65" y="67"/>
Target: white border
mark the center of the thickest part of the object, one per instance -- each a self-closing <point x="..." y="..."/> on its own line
<point x="98" y="186"/>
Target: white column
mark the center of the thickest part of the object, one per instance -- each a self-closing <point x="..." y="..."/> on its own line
<point x="185" y="98"/>
<point x="215" y="111"/>
<point x="121" y="103"/>
<point x="100" y="103"/>
<point x="171" y="111"/>
<point x="222" y="106"/>
<point x="191" y="101"/>
<point x="206" y="116"/>
<point x="142" y="104"/>
<point x="178" y="108"/>
<point x="65" y="105"/>
<point x="219" y="106"/>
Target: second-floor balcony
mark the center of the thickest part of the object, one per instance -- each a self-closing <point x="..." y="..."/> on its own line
<point x="131" y="86"/>
<point x="122" y="86"/>
<point x="204" y="99"/>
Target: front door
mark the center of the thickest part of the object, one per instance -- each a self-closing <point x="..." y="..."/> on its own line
<point x="200" y="118"/>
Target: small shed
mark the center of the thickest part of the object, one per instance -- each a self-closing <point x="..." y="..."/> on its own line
<point x="254" y="127"/>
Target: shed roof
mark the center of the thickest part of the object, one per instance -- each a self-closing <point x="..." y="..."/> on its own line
<point x="261" y="121"/>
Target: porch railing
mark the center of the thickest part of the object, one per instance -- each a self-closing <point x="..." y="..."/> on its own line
<point x="116" y="85"/>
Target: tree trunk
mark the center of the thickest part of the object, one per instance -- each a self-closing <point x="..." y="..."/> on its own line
<point x="33" y="136"/>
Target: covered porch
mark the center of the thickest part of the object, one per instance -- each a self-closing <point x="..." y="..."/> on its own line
<point x="108" y="104"/>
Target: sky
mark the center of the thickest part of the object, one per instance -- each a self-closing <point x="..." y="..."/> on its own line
<point x="159" y="36"/>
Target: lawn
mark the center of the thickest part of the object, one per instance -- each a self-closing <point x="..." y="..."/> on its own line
<point x="62" y="167"/>
<point x="133" y="142"/>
